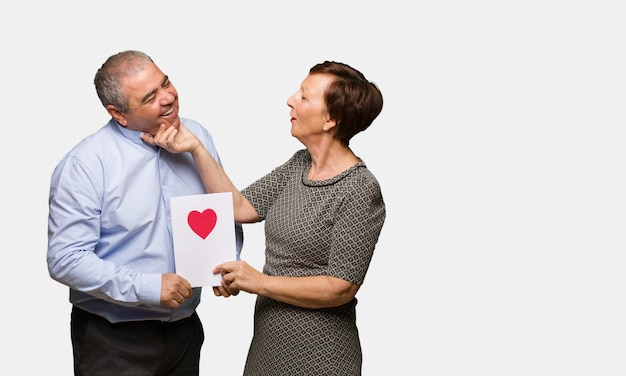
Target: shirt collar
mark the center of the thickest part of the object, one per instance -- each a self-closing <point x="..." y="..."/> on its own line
<point x="133" y="136"/>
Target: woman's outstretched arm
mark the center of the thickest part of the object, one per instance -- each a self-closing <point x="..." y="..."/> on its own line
<point x="214" y="178"/>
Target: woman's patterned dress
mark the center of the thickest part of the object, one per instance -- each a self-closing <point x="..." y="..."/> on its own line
<point x="327" y="227"/>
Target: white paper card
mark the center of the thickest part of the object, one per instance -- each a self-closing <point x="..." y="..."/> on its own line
<point x="204" y="236"/>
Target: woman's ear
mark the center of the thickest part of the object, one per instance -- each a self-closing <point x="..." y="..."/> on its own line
<point x="329" y="124"/>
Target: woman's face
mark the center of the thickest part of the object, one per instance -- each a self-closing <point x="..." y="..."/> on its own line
<point x="309" y="115"/>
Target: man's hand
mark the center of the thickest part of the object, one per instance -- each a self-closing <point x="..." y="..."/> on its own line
<point x="174" y="290"/>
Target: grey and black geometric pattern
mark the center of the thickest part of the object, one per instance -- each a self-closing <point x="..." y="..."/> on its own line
<point x="327" y="227"/>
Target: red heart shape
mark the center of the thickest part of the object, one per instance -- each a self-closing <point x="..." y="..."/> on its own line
<point x="202" y="223"/>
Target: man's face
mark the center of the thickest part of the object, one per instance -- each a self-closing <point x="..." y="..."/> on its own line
<point x="152" y="101"/>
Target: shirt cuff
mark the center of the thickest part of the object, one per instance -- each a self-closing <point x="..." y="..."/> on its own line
<point x="150" y="288"/>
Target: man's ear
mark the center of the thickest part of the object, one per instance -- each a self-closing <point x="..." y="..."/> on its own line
<point x="116" y="114"/>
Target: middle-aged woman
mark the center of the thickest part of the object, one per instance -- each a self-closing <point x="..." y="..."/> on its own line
<point x="323" y="212"/>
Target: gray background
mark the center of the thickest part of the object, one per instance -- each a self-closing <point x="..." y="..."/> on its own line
<point x="500" y="151"/>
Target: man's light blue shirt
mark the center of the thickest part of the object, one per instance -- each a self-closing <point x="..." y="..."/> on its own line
<point x="109" y="228"/>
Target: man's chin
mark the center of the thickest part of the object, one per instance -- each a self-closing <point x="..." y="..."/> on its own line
<point x="175" y="123"/>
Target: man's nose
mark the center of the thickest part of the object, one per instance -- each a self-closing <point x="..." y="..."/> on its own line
<point x="166" y="97"/>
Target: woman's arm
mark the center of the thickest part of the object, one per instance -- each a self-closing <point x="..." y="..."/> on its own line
<point x="308" y="292"/>
<point x="213" y="175"/>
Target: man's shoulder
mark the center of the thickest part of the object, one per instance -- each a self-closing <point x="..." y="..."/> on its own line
<point x="199" y="130"/>
<point x="192" y="124"/>
<point x="100" y="137"/>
